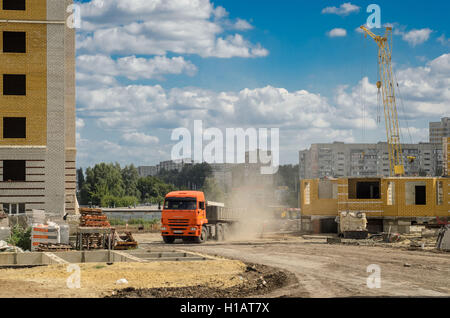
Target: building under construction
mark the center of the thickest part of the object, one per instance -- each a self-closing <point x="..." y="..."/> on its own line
<point x="37" y="115"/>
<point x="390" y="203"/>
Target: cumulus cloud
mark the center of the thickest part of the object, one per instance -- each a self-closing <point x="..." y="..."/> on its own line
<point x="302" y="116"/>
<point x="132" y="67"/>
<point x="140" y="138"/>
<point x="155" y="27"/>
<point x="343" y="10"/>
<point x="337" y="32"/>
<point x="79" y="123"/>
<point x="424" y="89"/>
<point x="443" y="40"/>
<point x="416" y="37"/>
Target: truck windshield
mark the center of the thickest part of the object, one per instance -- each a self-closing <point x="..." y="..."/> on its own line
<point x="180" y="204"/>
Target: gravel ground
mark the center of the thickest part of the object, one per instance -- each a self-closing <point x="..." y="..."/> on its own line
<point x="99" y="280"/>
<point x="257" y="280"/>
<point x="337" y="270"/>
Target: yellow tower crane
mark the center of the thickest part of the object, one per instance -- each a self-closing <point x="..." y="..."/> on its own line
<point x="387" y="86"/>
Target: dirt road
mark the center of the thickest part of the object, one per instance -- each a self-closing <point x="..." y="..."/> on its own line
<point x="325" y="270"/>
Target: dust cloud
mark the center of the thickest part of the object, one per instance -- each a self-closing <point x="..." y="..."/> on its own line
<point x="257" y="216"/>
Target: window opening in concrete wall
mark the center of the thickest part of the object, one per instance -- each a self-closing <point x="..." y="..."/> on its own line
<point x="364" y="189"/>
<point x="415" y="193"/>
<point x="421" y="195"/>
<point x="13" y="4"/>
<point x="14" y="84"/>
<point x="14" y="127"/>
<point x="14" y="170"/>
<point x="14" y="42"/>
<point x="327" y="190"/>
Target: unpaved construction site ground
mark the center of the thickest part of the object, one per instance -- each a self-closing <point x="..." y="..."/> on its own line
<point x="274" y="266"/>
<point x="336" y="270"/>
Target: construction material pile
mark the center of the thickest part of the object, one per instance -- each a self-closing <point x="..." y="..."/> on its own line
<point x="8" y="248"/>
<point x="49" y="234"/>
<point x="93" y="218"/>
<point x="353" y="224"/>
<point x="125" y="242"/>
<point x="101" y="238"/>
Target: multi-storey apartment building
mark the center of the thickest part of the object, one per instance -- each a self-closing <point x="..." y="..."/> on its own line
<point x="37" y="107"/>
<point x="366" y="160"/>
<point x="439" y="130"/>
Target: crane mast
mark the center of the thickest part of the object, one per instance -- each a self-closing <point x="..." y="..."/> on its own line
<point x="387" y="85"/>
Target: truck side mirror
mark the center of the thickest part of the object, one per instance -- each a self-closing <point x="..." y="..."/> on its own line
<point x="202" y="205"/>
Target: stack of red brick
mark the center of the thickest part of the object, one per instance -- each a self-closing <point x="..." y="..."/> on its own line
<point x="93" y="218"/>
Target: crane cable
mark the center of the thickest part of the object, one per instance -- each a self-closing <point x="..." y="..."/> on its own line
<point x="362" y="92"/>
<point x="403" y="109"/>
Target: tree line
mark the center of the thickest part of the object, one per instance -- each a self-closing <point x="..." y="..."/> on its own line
<point x="110" y="185"/>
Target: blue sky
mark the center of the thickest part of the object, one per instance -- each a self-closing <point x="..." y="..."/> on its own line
<point x="250" y="64"/>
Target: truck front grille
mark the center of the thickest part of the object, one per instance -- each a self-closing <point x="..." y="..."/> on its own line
<point x="178" y="222"/>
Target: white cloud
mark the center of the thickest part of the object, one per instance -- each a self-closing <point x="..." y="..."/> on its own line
<point x="414" y="134"/>
<point x="443" y="40"/>
<point x="140" y="138"/>
<point x="425" y="91"/>
<point x="337" y="32"/>
<point x="132" y="67"/>
<point x="140" y="113"/>
<point x="155" y="27"/>
<point x="242" y="25"/>
<point x="345" y="9"/>
<point x="415" y="37"/>
<point x="79" y="123"/>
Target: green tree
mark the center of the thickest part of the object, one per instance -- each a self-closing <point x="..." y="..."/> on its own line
<point x="153" y="190"/>
<point x="130" y="177"/>
<point x="80" y="178"/>
<point x="191" y="177"/>
<point x="104" y="179"/>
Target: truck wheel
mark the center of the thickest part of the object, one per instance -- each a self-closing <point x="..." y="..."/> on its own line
<point x="168" y="239"/>
<point x="203" y="237"/>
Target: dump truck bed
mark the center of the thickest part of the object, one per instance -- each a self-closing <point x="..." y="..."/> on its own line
<point x="216" y="213"/>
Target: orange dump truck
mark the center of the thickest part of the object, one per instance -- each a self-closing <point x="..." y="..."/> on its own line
<point x="188" y="216"/>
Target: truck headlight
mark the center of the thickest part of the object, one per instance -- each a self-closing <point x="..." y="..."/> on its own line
<point x="163" y="228"/>
<point x="193" y="229"/>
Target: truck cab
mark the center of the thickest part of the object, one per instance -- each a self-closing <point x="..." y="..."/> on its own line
<point x="184" y="216"/>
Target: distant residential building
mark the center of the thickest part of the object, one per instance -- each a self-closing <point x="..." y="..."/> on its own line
<point x="173" y="165"/>
<point x="365" y="160"/>
<point x="146" y="171"/>
<point x="169" y="165"/>
<point x="439" y="130"/>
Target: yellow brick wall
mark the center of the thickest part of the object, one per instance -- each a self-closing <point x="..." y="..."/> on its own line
<point x="317" y="206"/>
<point x="399" y="208"/>
<point x="34" y="10"/>
<point x="33" y="64"/>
